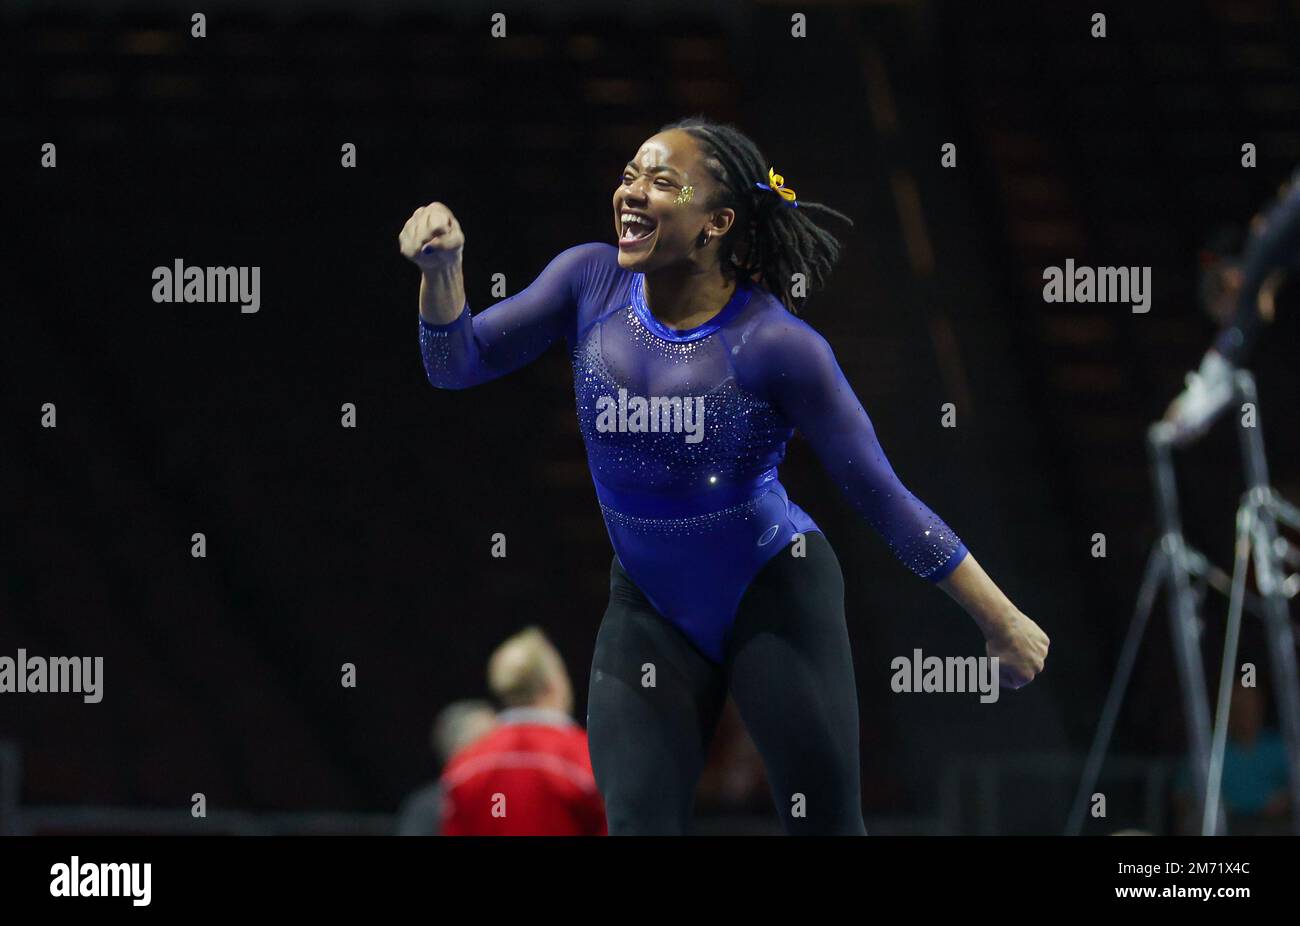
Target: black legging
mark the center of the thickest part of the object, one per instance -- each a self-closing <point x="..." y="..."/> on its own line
<point x="789" y="669"/>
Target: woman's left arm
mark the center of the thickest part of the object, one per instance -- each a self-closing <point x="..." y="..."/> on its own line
<point x="1009" y="634"/>
<point x="805" y="383"/>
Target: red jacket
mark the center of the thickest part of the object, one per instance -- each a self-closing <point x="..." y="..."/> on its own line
<point x="530" y="776"/>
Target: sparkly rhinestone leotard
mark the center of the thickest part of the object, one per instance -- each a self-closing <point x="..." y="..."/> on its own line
<point x="685" y="429"/>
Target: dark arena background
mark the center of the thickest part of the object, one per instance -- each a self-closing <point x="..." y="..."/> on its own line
<point x="282" y="673"/>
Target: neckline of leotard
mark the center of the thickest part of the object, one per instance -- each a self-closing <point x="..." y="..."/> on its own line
<point x="739" y="299"/>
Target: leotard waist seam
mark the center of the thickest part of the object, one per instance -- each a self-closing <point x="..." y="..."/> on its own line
<point x="657" y="505"/>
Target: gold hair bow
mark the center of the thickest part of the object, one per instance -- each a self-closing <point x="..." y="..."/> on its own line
<point x="778" y="187"/>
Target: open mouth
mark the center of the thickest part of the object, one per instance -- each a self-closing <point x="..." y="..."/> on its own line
<point x="636" y="228"/>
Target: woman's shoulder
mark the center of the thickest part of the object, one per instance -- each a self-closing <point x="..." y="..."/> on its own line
<point x="587" y="266"/>
<point x="596" y="263"/>
<point x="580" y="260"/>
<point x="594" y="250"/>
<point x="599" y="284"/>
<point x="769" y="326"/>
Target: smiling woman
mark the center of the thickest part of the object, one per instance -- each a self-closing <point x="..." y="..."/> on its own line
<point x="693" y="197"/>
<point x="719" y="582"/>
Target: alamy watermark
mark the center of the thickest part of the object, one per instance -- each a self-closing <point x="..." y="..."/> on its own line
<point x="53" y="675"/>
<point x="654" y="414"/>
<point x="919" y="673"/>
<point x="103" y="879"/>
<point x="1098" y="284"/>
<point x="179" y="283"/>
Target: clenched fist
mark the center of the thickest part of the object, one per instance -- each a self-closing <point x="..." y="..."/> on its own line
<point x="432" y="238"/>
<point x="1021" y="648"/>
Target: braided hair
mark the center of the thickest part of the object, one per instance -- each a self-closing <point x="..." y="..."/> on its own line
<point x="778" y="241"/>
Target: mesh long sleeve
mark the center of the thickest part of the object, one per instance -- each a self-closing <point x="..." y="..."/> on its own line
<point x="474" y="349"/>
<point x="807" y="385"/>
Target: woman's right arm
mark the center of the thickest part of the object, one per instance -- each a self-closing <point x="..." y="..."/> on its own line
<point x="442" y="294"/>
<point x="462" y="350"/>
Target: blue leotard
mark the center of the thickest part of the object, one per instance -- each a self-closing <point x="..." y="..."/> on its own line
<point x="685" y="429"/>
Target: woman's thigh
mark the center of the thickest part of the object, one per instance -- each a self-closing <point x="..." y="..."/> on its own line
<point x="790" y="670"/>
<point x="652" y="707"/>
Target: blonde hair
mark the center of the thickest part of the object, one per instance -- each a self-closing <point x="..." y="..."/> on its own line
<point x="523" y="668"/>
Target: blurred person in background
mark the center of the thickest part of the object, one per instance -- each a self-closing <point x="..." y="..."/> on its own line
<point x="734" y="782"/>
<point x="456" y="726"/>
<point x="1254" y="788"/>
<point x="1238" y="287"/>
<point x="531" y="775"/>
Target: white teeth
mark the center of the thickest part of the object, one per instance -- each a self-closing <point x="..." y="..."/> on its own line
<point x="630" y="219"/>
